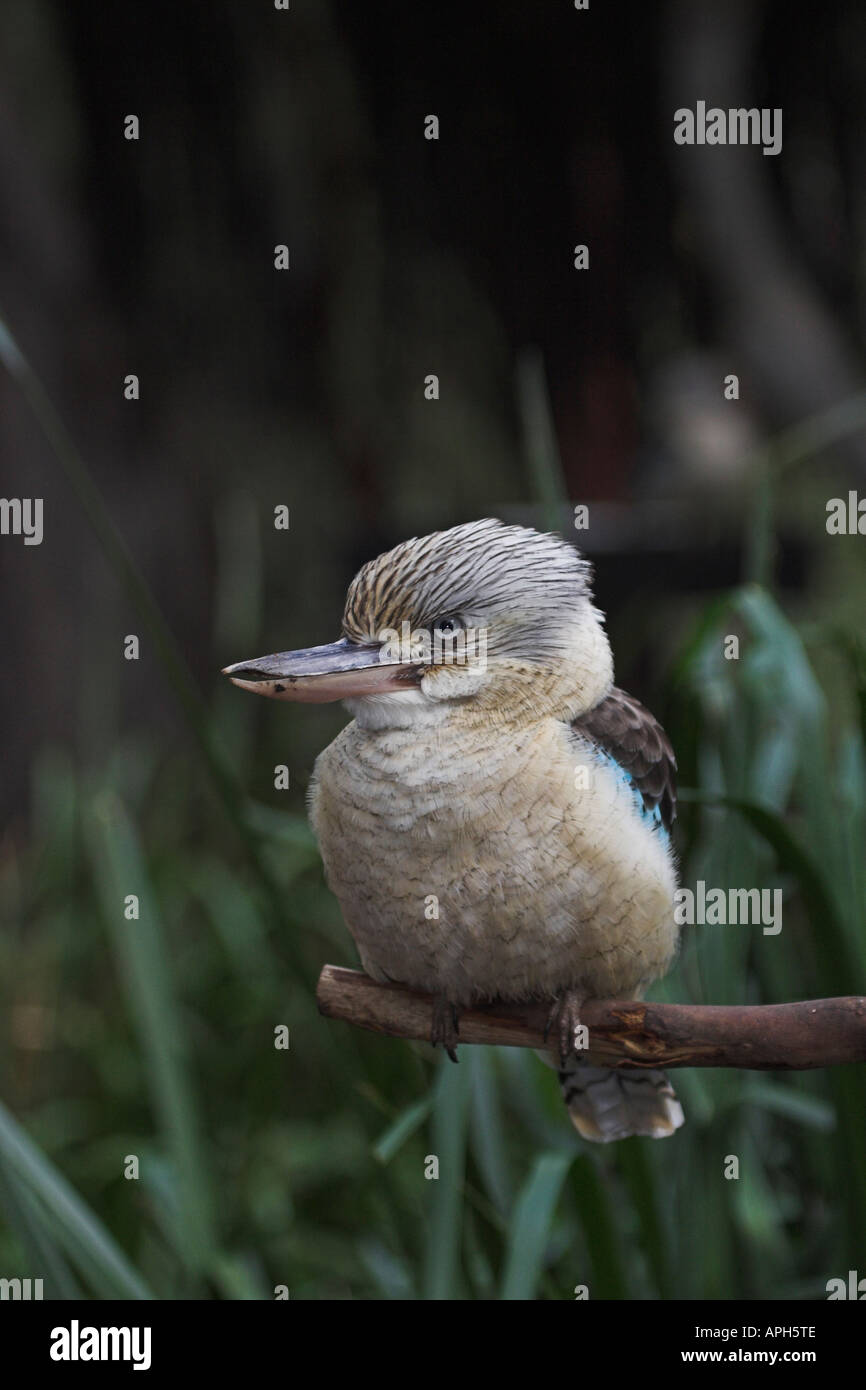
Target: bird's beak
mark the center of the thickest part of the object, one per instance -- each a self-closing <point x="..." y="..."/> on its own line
<point x="336" y="671"/>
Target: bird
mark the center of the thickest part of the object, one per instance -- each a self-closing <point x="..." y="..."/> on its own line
<point x="496" y="818"/>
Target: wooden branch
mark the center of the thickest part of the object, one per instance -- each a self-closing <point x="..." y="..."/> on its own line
<point x="765" y="1037"/>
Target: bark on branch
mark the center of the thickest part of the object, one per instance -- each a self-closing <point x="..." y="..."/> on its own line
<point x="764" y="1037"/>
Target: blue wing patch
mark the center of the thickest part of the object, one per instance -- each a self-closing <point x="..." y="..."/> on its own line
<point x="650" y="815"/>
<point x="623" y="735"/>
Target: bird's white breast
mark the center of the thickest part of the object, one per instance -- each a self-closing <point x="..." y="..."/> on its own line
<point x="487" y="862"/>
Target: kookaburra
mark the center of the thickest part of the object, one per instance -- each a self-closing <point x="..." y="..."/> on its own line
<point x="495" y="819"/>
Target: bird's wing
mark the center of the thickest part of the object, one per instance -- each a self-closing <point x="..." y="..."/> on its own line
<point x="621" y="726"/>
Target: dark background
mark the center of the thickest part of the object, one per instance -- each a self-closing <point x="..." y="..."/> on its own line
<point x="408" y="256"/>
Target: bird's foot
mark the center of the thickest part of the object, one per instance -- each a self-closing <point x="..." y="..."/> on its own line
<point x="446" y="1025"/>
<point x="564" y="1021"/>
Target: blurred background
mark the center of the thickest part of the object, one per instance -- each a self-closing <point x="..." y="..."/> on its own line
<point x="305" y="388"/>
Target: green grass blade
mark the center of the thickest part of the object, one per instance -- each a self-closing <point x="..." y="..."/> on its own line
<point x="140" y="947"/>
<point x="25" y="1217"/>
<point x="782" y="1099"/>
<point x="487" y="1130"/>
<point x="531" y="1225"/>
<point x="78" y="1229"/>
<point x="600" y="1228"/>
<point x="448" y="1144"/>
<point x="403" y="1128"/>
<point x="647" y="1195"/>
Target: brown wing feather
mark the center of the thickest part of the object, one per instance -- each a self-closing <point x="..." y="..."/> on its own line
<point x="634" y="737"/>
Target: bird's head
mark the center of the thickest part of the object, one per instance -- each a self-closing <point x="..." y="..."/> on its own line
<point x="493" y="621"/>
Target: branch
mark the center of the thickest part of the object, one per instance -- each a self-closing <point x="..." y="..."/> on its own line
<point x="765" y="1037"/>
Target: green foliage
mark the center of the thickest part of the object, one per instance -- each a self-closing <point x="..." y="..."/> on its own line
<point x="305" y="1167"/>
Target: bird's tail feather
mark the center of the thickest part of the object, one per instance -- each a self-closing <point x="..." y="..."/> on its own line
<point x="606" y="1105"/>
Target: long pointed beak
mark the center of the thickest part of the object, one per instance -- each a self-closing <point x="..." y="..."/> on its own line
<point x="315" y="675"/>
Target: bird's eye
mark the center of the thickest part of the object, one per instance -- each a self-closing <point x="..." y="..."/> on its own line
<point x="446" y="625"/>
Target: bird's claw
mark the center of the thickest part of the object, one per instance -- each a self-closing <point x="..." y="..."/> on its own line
<point x="446" y="1026"/>
<point x="564" y="1021"/>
